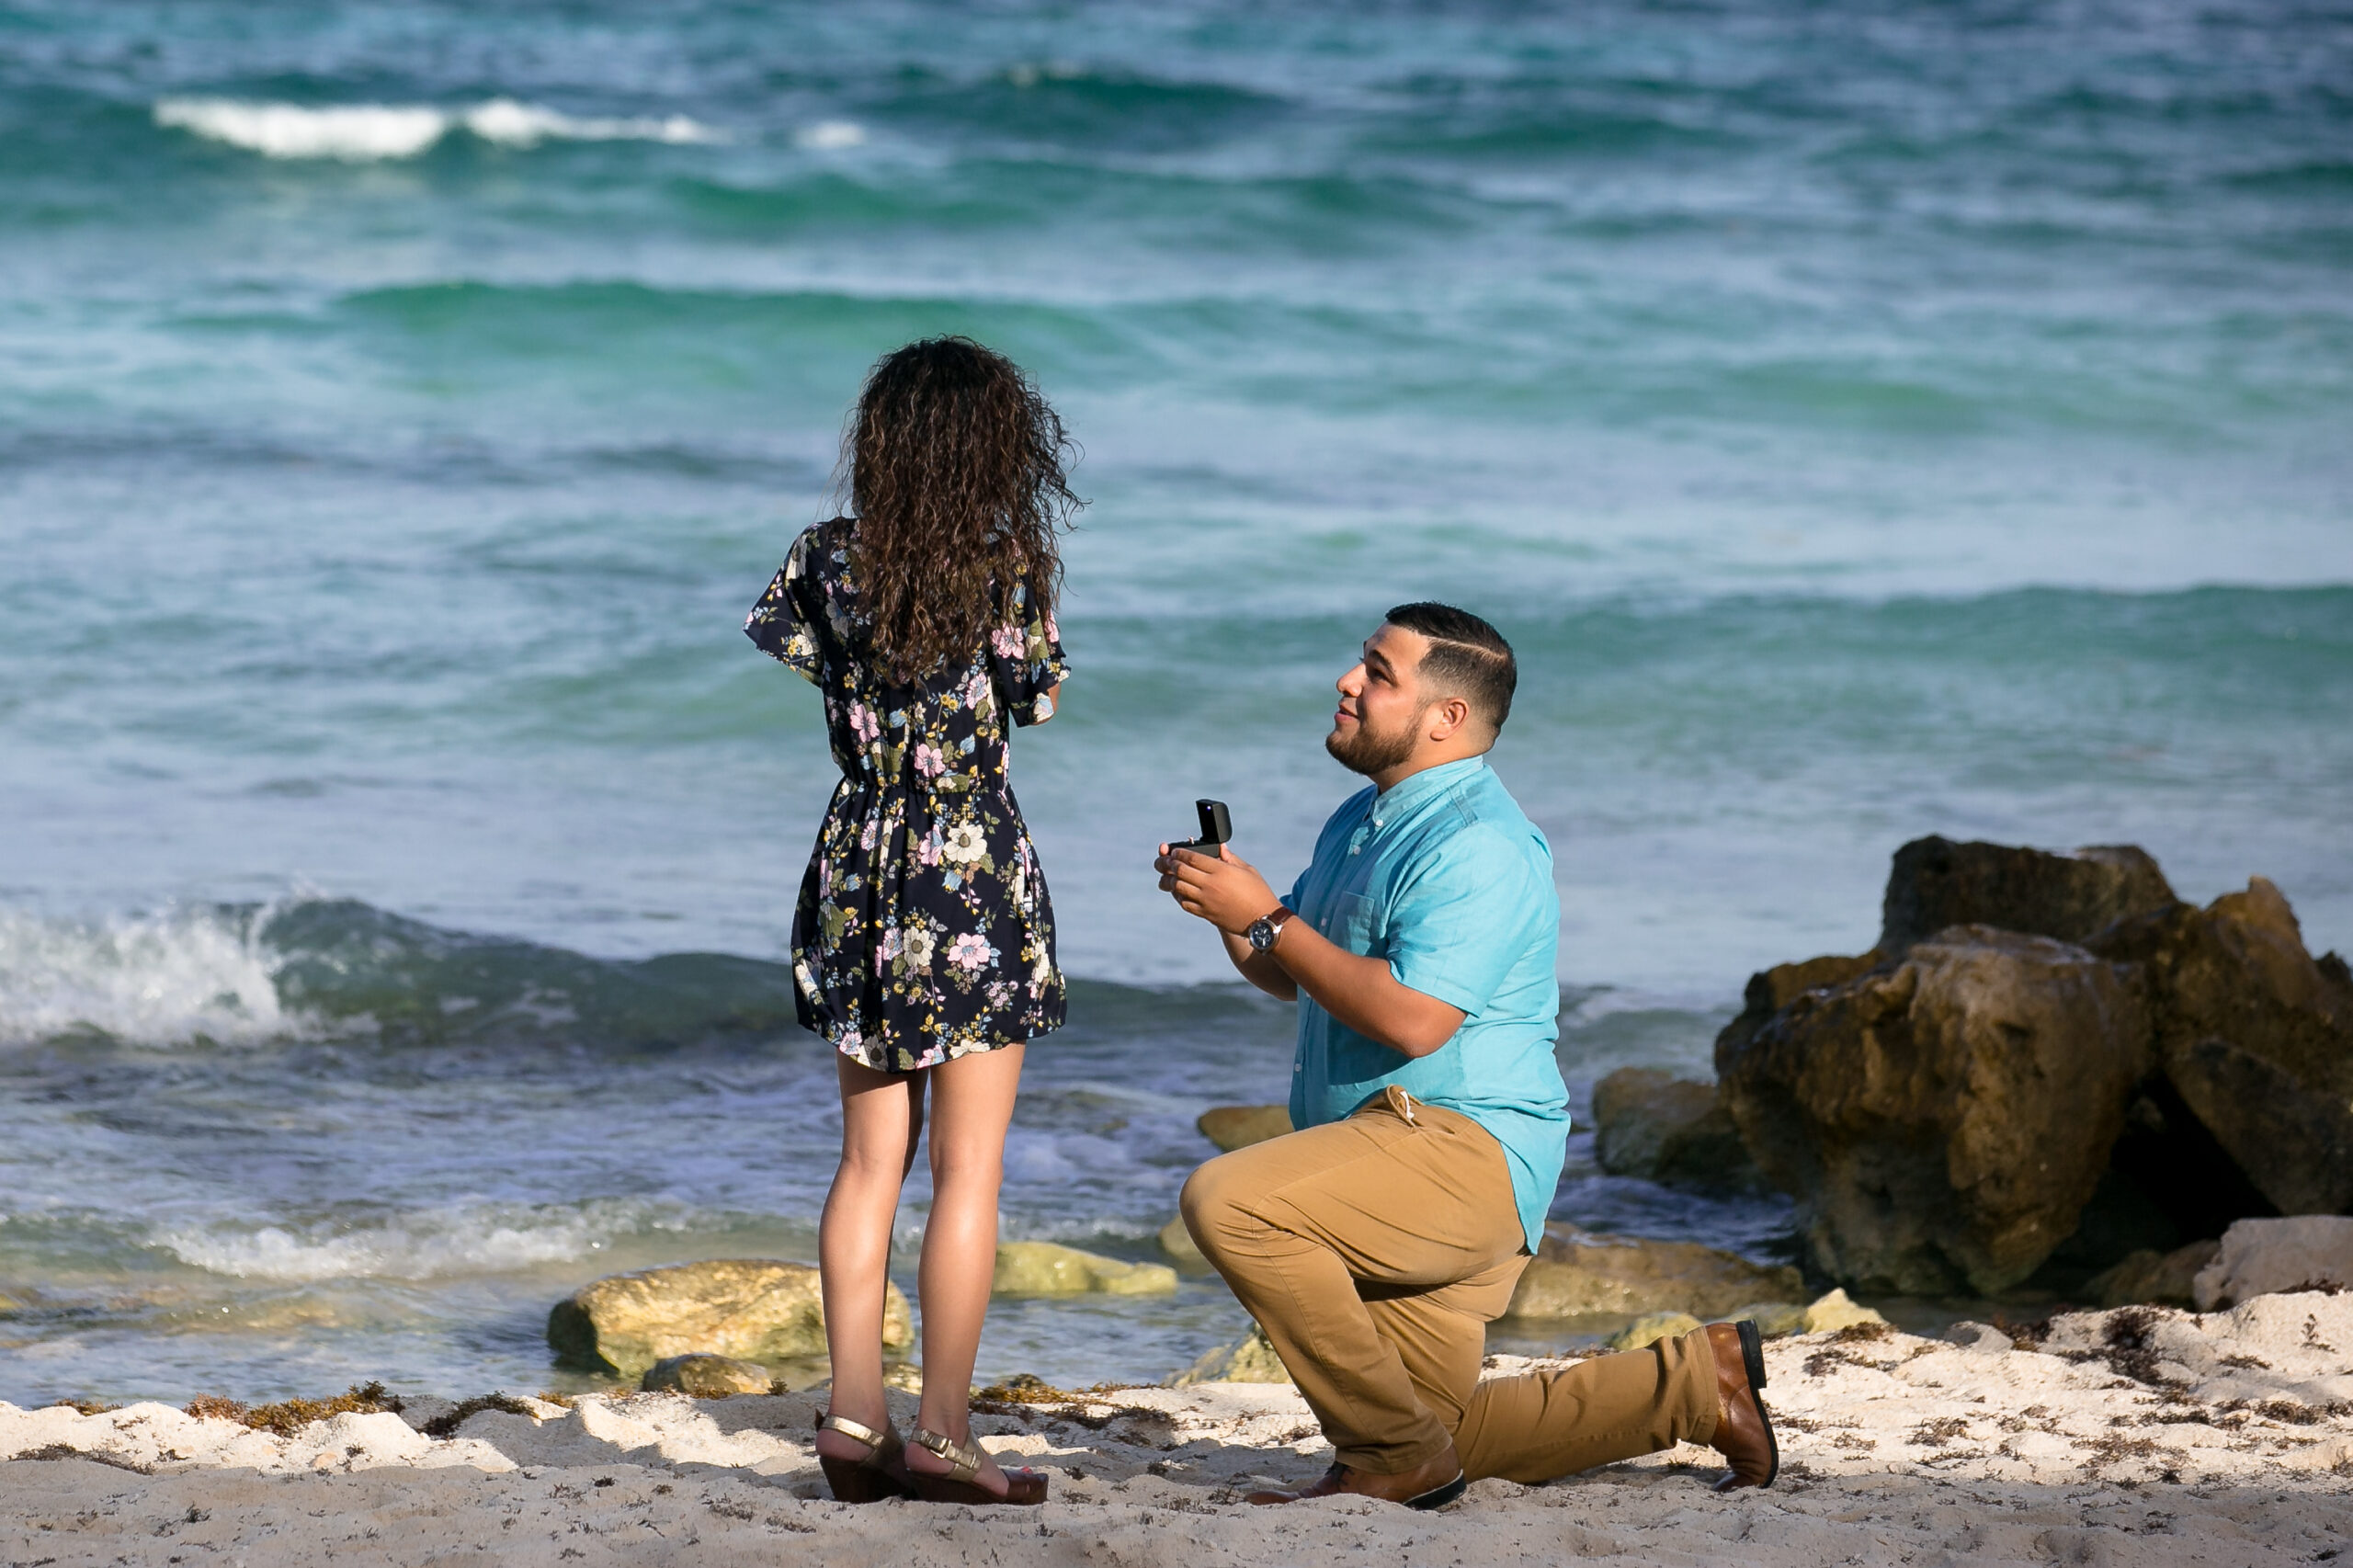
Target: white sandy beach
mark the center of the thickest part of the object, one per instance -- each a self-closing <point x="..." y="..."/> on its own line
<point x="2146" y="1437"/>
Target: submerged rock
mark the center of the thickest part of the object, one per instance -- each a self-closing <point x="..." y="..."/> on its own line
<point x="1651" y="1328"/>
<point x="755" y="1309"/>
<point x="1231" y="1127"/>
<point x="1250" y="1359"/>
<point x="1650" y="1124"/>
<point x="1936" y="883"/>
<point x="1178" y="1242"/>
<point x="2255" y="1037"/>
<point x="1043" y="1269"/>
<point x="1943" y="1120"/>
<point x="706" y="1376"/>
<point x="1772" y="1319"/>
<point x="2263" y="1257"/>
<point x="2153" y="1278"/>
<point x="1577" y="1274"/>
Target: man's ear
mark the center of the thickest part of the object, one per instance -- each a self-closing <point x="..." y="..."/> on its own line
<point x="1449" y="717"/>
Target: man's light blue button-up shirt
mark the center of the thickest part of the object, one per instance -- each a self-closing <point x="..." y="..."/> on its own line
<point x="1444" y="876"/>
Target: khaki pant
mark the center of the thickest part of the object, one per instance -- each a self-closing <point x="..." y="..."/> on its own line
<point x="1374" y="1252"/>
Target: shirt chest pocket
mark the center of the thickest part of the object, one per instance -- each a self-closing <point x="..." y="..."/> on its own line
<point x="1355" y="924"/>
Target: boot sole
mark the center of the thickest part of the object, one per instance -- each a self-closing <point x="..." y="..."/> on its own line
<point x="1439" y="1497"/>
<point x="1752" y="1352"/>
<point x="1752" y="1359"/>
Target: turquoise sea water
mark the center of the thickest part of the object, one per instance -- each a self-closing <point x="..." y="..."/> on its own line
<point x="1867" y="420"/>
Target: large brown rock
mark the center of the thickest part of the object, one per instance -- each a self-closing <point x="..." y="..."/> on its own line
<point x="751" y="1309"/>
<point x="1935" y="883"/>
<point x="2255" y="1039"/>
<point x="1579" y="1274"/>
<point x="1774" y="989"/>
<point x="1942" y="1121"/>
<point x="1649" y="1123"/>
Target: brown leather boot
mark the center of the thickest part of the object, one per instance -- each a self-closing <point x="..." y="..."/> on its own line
<point x="1431" y="1485"/>
<point x="1743" y="1431"/>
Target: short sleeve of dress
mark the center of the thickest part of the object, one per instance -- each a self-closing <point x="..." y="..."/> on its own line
<point x="1026" y="658"/>
<point x="779" y="625"/>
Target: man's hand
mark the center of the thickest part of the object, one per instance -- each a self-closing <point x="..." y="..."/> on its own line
<point x="1226" y="891"/>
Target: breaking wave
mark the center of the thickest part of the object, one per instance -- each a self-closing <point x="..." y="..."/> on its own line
<point x="315" y="968"/>
<point x="366" y="133"/>
<point x="165" y="979"/>
<point x="423" y="1246"/>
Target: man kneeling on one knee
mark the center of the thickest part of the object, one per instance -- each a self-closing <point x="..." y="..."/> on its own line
<point x="1375" y="1244"/>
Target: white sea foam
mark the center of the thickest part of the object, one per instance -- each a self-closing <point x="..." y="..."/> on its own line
<point x="423" y="1246"/>
<point x="366" y="133"/>
<point x="154" y="980"/>
<point x="830" y="135"/>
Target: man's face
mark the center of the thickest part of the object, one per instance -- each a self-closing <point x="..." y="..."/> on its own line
<point x="1379" y="718"/>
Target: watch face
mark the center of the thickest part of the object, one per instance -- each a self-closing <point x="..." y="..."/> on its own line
<point x="1262" y="933"/>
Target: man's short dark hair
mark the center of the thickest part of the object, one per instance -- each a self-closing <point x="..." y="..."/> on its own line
<point x="1467" y="656"/>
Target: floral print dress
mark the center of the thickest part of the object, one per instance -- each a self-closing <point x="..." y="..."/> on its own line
<point x="924" y="932"/>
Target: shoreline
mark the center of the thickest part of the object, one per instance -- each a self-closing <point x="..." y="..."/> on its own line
<point x="2142" y="1436"/>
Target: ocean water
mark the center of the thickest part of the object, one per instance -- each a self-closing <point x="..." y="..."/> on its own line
<point x="1867" y="420"/>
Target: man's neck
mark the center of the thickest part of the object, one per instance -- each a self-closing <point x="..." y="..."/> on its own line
<point x="1389" y="778"/>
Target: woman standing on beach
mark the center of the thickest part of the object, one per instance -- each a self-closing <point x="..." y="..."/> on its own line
<point x="924" y="944"/>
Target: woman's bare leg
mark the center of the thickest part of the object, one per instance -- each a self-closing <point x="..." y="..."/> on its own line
<point x="881" y="1117"/>
<point x="971" y="1104"/>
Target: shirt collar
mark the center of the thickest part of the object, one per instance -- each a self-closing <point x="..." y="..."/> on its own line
<point x="1413" y="790"/>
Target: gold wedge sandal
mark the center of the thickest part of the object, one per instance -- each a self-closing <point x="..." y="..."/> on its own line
<point x="1023" y="1488"/>
<point x="880" y="1474"/>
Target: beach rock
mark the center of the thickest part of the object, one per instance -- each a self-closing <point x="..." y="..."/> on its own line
<point x="2153" y="1278"/>
<point x="1942" y="1122"/>
<point x="1178" y="1244"/>
<point x="706" y="1376"/>
<point x="1772" y="1319"/>
<point x="1834" y="1312"/>
<point x="1935" y="883"/>
<point x="2262" y="1257"/>
<point x="1650" y="1124"/>
<point x="1250" y="1359"/>
<point x="1651" y="1328"/>
<point x="1231" y="1127"/>
<point x="2255" y="1038"/>
<point x="1980" y="1337"/>
<point x="1771" y="989"/>
<point x="1578" y="1274"/>
<point x="755" y="1309"/>
<point x="1043" y="1269"/>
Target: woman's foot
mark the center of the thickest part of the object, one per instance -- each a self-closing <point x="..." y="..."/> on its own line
<point x="967" y="1474"/>
<point x="862" y="1463"/>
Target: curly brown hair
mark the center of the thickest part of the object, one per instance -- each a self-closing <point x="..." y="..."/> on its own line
<point x="959" y="476"/>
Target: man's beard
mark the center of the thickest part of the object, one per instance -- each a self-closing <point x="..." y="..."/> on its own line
<point x="1369" y="752"/>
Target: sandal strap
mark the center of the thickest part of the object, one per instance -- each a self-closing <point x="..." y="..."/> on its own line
<point x="856" y="1431"/>
<point x="966" y="1463"/>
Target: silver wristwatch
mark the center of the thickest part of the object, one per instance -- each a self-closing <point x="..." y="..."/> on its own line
<point x="1263" y="931"/>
